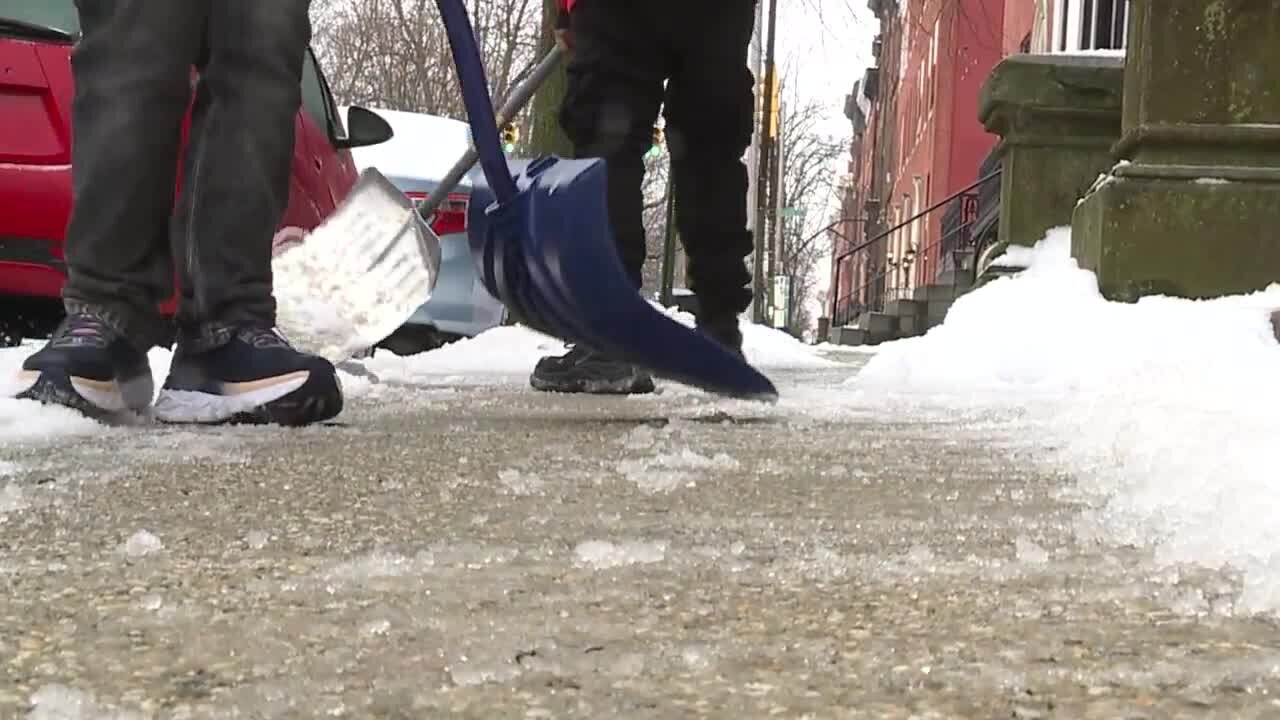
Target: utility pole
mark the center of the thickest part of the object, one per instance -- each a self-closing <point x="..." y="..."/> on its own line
<point x="775" y="194"/>
<point x="753" y="153"/>
<point x="764" y="176"/>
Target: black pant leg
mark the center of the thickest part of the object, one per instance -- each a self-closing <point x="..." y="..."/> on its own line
<point x="236" y="172"/>
<point x="615" y="78"/>
<point x="132" y="87"/>
<point x="710" y="108"/>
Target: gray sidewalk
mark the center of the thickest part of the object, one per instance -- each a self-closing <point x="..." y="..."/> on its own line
<point x="489" y="552"/>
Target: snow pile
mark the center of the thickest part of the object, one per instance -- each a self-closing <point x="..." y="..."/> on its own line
<point x="768" y="348"/>
<point x="508" y="353"/>
<point x="765" y="347"/>
<point x="512" y="351"/>
<point x="506" y="350"/>
<point x="1165" y="411"/>
<point x="827" y="347"/>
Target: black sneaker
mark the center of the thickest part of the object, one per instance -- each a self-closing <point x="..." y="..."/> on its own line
<point x="255" y="378"/>
<point x="724" y="330"/>
<point x="88" y="367"/>
<point x="586" y="371"/>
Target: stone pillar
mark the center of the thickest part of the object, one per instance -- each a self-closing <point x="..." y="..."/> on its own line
<point x="1193" y="209"/>
<point x="1058" y="117"/>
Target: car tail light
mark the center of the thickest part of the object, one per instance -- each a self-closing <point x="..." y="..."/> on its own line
<point x="450" y="217"/>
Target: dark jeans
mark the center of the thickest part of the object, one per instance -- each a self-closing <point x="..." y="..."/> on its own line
<point x="623" y="51"/>
<point x="133" y="77"/>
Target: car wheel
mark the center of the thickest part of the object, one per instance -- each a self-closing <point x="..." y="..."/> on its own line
<point x="10" y="333"/>
<point x="413" y="339"/>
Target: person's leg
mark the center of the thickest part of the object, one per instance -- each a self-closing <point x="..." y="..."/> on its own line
<point x="615" y="77"/>
<point x="709" y="119"/>
<point x="132" y="87"/>
<point x="229" y="364"/>
<point x="236" y="173"/>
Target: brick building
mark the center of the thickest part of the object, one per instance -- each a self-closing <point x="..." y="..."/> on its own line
<point x="917" y="140"/>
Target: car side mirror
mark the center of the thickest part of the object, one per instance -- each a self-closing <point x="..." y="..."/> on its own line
<point x="364" y="128"/>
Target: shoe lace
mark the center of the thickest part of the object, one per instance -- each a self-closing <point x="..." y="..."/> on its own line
<point x="81" y="330"/>
<point x="260" y="337"/>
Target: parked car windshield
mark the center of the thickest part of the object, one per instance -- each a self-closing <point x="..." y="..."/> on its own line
<point x="56" y="14"/>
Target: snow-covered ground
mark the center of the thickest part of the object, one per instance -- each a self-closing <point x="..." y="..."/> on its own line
<point x="1164" y="413"/>
<point x="508" y="354"/>
<point x="504" y="356"/>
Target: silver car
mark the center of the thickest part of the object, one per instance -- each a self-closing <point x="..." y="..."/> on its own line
<point x="421" y="152"/>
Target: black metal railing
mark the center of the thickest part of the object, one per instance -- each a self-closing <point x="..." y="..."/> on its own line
<point x="874" y="293"/>
<point x="954" y="249"/>
<point x="987" y="226"/>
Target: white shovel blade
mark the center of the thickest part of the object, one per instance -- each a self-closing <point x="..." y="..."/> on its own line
<point x="356" y="279"/>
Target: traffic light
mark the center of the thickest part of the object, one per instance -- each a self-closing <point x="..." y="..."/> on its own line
<point x="769" y="90"/>
<point x="659" y="139"/>
<point x="510" y="136"/>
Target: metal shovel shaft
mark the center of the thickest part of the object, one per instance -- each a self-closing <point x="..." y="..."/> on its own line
<point x="515" y="102"/>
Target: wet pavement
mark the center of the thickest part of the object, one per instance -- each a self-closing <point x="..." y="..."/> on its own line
<point x="489" y="552"/>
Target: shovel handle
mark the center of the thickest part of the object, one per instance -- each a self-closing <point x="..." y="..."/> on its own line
<point x="475" y="95"/>
<point x="516" y="102"/>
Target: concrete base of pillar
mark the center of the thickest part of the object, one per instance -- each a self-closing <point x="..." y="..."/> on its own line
<point x="1058" y="117"/>
<point x="1177" y="230"/>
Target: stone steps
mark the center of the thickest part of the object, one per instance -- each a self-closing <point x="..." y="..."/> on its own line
<point x="904" y="318"/>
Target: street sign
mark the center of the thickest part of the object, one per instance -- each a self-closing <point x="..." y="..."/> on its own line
<point x="791" y="212"/>
<point x="781" y="300"/>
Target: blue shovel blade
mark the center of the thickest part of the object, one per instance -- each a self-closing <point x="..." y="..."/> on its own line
<point x="573" y="280"/>
<point x="500" y="264"/>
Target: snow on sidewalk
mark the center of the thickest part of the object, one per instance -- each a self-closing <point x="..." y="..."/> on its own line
<point x="501" y="355"/>
<point x="512" y="351"/>
<point x="1165" y="411"/>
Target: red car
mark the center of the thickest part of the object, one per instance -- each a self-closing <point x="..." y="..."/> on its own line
<point x="36" y="90"/>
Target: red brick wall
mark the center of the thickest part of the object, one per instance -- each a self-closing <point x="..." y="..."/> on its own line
<point x="941" y="140"/>
<point x="1019" y="18"/>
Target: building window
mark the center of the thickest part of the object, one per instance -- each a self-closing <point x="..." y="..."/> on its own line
<point x="933" y="61"/>
<point x="1081" y="25"/>
<point x="1090" y="25"/>
<point x="921" y="101"/>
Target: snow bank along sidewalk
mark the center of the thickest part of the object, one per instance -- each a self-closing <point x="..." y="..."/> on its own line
<point x="504" y="355"/>
<point x="1165" y="411"/>
<point x="509" y="353"/>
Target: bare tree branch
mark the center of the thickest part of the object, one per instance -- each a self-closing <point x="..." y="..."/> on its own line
<point x="809" y="173"/>
<point x="394" y="53"/>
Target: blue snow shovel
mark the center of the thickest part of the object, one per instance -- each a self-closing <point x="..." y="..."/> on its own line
<point x="543" y="245"/>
